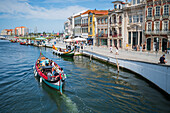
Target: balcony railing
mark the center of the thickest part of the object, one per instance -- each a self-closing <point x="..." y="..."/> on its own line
<point x="101" y="35"/>
<point x="155" y="32"/>
<point x="84" y="25"/>
<point x="149" y="17"/>
<point x="115" y="35"/>
<point x="157" y="17"/>
<point x="105" y="35"/>
<point x="147" y="32"/>
<point x="164" y="16"/>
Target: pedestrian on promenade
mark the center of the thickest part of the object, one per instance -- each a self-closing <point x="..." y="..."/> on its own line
<point x="162" y="59"/>
<point x="117" y="50"/>
<point x="143" y="47"/>
<point x="140" y="48"/>
<point x="111" y="50"/>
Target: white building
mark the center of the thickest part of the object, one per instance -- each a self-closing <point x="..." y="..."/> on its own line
<point x="134" y="23"/>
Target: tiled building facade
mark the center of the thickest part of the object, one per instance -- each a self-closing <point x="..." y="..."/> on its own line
<point x="157" y="25"/>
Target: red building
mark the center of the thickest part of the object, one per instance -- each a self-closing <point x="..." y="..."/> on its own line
<point x="157" y="25"/>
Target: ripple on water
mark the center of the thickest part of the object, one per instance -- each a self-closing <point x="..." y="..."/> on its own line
<point x="92" y="86"/>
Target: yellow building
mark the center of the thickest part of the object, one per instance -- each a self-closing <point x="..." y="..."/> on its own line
<point x="92" y="24"/>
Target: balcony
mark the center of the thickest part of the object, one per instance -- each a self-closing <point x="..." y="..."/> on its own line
<point x="115" y="35"/>
<point x="84" y="25"/>
<point x="149" y="17"/>
<point x="165" y="16"/>
<point x="165" y="32"/>
<point x="105" y="35"/>
<point x="156" y="17"/>
<point x="156" y="32"/>
<point x="120" y="34"/>
<point x="147" y="32"/>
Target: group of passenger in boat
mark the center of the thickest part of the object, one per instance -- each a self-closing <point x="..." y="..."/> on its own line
<point x="48" y="67"/>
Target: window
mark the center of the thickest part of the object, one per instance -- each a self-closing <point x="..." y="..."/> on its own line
<point x="101" y="33"/>
<point x="138" y="1"/>
<point x="129" y="41"/>
<point x="102" y="20"/>
<point x="134" y="2"/>
<point x="141" y="18"/>
<point x="157" y="11"/>
<point x="166" y="9"/>
<point x="130" y="19"/>
<point x="98" y="21"/>
<point x="115" y="6"/>
<point x="137" y="18"/>
<point x="157" y="26"/>
<point x="86" y="21"/>
<point x="114" y="19"/>
<point x="98" y="31"/>
<point x="149" y="12"/>
<point x="84" y="30"/>
<point x="120" y="31"/>
<point x="105" y="31"/>
<point x="90" y="31"/>
<point x="91" y="19"/>
<point x="106" y="20"/>
<point x="149" y="26"/>
<point x="165" y="26"/>
<point x="134" y="18"/>
<point x="119" y="6"/>
<point x="120" y="19"/>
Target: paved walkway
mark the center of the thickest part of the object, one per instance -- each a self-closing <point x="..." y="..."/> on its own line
<point x="123" y="54"/>
<point x="130" y="55"/>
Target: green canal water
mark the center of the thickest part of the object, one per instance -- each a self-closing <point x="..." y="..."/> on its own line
<point x="92" y="86"/>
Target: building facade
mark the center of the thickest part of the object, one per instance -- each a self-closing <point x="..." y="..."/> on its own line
<point x="84" y="25"/>
<point x="134" y="24"/>
<point x="92" y="24"/>
<point x="157" y="25"/>
<point x="66" y="29"/>
<point x="102" y="30"/>
<point x="21" y="31"/>
<point x="115" y="17"/>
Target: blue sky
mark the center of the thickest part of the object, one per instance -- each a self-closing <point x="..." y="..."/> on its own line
<point x="46" y="15"/>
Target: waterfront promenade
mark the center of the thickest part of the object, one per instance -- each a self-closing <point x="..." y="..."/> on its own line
<point x="124" y="54"/>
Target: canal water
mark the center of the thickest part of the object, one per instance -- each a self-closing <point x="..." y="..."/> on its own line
<point x="92" y="86"/>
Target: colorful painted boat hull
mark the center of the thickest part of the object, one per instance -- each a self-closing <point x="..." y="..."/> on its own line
<point x="55" y="84"/>
<point x="69" y="54"/>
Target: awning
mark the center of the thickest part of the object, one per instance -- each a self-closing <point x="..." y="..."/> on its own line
<point x="89" y="38"/>
<point x="40" y="38"/>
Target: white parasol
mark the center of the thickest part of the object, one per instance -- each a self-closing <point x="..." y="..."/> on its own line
<point x="68" y="40"/>
<point x="79" y="39"/>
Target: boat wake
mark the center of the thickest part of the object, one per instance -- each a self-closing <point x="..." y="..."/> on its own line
<point x="71" y="106"/>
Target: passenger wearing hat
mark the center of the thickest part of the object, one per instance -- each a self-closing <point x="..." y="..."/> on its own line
<point x="162" y="59"/>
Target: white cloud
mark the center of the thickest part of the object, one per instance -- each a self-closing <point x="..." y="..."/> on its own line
<point x="22" y="9"/>
<point x="65" y="1"/>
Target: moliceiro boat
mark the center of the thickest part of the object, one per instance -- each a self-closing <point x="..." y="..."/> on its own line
<point x="49" y="72"/>
<point x="63" y="52"/>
